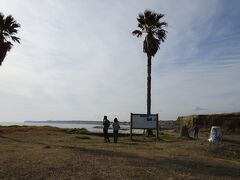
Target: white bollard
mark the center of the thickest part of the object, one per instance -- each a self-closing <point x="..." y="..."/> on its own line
<point x="215" y="134"/>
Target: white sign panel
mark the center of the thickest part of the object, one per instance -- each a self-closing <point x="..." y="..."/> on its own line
<point x="143" y="121"/>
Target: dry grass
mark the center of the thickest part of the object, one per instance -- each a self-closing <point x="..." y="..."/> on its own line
<point x="50" y="153"/>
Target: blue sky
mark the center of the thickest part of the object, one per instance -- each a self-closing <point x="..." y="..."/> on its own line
<point x="78" y="60"/>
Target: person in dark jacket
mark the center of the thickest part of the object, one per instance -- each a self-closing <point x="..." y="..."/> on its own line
<point x="116" y="127"/>
<point x="106" y="124"/>
<point x="196" y="130"/>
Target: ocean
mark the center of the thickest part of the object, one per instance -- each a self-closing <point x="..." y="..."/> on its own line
<point x="95" y="128"/>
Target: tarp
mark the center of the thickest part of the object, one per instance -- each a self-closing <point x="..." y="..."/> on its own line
<point x="215" y="134"/>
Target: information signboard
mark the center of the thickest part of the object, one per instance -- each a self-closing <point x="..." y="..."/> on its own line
<point x="144" y="121"/>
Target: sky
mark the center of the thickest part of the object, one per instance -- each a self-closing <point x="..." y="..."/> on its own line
<point x="78" y="60"/>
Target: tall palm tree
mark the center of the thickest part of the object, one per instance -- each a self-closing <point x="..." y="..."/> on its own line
<point x="150" y="24"/>
<point x="8" y="30"/>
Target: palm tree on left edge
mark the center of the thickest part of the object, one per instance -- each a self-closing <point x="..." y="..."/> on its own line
<point x="8" y="30"/>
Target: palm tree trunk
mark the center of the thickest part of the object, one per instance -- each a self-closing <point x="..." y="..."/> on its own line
<point x="149" y="71"/>
<point x="149" y="66"/>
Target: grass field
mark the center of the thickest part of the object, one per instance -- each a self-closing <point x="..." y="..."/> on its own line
<point x="52" y="153"/>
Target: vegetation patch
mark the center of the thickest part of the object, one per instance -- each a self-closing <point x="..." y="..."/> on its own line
<point x="14" y="126"/>
<point x="167" y="137"/>
<point x="225" y="151"/>
<point x="77" y="131"/>
<point x="82" y="137"/>
<point x="34" y="152"/>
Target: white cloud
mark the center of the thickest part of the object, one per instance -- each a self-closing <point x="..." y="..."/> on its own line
<point x="78" y="60"/>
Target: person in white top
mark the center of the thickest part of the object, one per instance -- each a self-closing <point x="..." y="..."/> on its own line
<point x="116" y="127"/>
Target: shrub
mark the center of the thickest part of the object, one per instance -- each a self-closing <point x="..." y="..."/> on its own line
<point x="77" y="131"/>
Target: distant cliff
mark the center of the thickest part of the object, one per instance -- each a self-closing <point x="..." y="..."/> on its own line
<point x="229" y="122"/>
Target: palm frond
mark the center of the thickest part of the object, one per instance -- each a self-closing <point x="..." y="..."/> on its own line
<point x="1" y="15"/>
<point x="141" y="19"/>
<point x="15" y="25"/>
<point x="5" y="34"/>
<point x="161" y="24"/>
<point x="16" y="39"/>
<point x="1" y="20"/>
<point x="161" y="35"/>
<point x="8" y="27"/>
<point x="147" y="13"/>
<point x="151" y="20"/>
<point x="159" y="16"/>
<point x="12" y="30"/>
<point x="141" y="26"/>
<point x="137" y="33"/>
<point x="9" y="20"/>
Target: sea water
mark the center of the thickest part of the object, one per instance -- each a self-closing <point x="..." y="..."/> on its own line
<point x="90" y="127"/>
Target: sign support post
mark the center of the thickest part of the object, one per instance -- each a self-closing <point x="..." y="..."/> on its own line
<point x="131" y="127"/>
<point x="157" y="127"/>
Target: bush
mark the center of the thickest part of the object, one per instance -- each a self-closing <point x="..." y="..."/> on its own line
<point x="77" y="131"/>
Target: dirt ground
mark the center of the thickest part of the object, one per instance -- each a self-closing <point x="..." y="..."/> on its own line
<point x="50" y="153"/>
